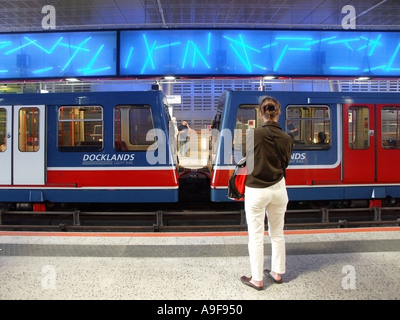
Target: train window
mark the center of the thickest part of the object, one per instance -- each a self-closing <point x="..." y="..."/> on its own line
<point x="390" y="127"/>
<point x="80" y="128"/>
<point x="247" y="118"/>
<point x="309" y="126"/>
<point x="3" y="129"/>
<point x="28" y="131"/>
<point x="358" y="118"/>
<point x="132" y="125"/>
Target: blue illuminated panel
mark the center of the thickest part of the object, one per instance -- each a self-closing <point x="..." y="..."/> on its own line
<point x="199" y="52"/>
<point x="259" y="52"/>
<point x="64" y="54"/>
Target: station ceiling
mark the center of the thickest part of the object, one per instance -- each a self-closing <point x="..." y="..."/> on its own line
<point x="26" y="15"/>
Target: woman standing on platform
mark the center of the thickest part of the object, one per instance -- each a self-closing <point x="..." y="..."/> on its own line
<point x="266" y="194"/>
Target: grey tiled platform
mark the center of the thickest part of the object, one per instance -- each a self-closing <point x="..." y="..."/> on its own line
<point x="201" y="267"/>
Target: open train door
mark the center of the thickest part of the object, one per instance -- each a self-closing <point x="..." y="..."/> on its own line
<point x="28" y="145"/>
<point x="359" y="143"/>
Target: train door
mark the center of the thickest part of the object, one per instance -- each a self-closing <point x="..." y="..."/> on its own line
<point x="28" y="145"/>
<point x="388" y="142"/>
<point x="359" y="143"/>
<point x="5" y="144"/>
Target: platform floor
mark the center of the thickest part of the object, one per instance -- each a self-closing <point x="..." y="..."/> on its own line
<point x="341" y="264"/>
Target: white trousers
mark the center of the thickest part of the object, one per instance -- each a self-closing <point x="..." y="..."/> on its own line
<point x="259" y="202"/>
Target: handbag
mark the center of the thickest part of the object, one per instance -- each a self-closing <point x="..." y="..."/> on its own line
<point x="237" y="181"/>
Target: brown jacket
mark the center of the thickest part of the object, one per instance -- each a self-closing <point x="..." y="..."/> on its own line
<point x="268" y="166"/>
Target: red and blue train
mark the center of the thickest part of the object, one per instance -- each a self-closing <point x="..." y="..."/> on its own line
<point x="346" y="145"/>
<point x="119" y="147"/>
<point x="86" y="148"/>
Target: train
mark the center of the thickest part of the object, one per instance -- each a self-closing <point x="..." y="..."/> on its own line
<point x="60" y="149"/>
<point x="96" y="147"/>
<point x="346" y="145"/>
